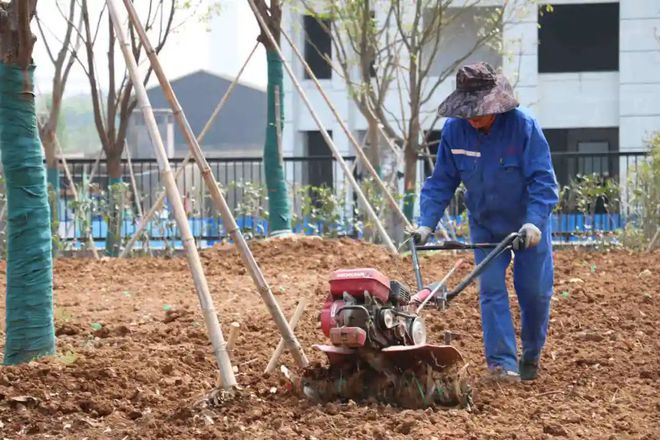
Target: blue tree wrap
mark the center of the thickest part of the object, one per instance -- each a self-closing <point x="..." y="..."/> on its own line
<point x="29" y="301"/>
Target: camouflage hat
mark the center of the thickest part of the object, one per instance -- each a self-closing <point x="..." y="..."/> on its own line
<point x="479" y="91"/>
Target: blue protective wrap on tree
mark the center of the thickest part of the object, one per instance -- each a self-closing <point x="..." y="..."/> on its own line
<point x="29" y="300"/>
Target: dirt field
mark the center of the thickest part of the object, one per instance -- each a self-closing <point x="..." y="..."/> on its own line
<point x="134" y="356"/>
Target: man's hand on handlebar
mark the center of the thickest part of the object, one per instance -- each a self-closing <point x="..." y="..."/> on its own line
<point x="529" y="236"/>
<point x="421" y="234"/>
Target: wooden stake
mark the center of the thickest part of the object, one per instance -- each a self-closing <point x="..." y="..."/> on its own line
<point x="328" y="140"/>
<point x="297" y="314"/>
<point x="234" y="330"/>
<point x="136" y="193"/>
<point x="95" y="167"/>
<point x="216" y="195"/>
<point x="206" y="302"/>
<point x="161" y="197"/>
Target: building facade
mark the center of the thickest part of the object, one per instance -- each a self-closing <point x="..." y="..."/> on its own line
<point x="588" y="69"/>
<point x="238" y="131"/>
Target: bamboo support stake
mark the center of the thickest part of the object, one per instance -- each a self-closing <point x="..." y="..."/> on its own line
<point x="328" y="140"/>
<point x="216" y="196"/>
<point x="358" y="149"/>
<point x="234" y="330"/>
<point x="206" y="302"/>
<point x="136" y="193"/>
<point x="209" y="123"/>
<point x="95" y="167"/>
<point x="293" y="322"/>
<point x="76" y="196"/>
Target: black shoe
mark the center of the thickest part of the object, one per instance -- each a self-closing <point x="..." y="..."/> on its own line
<point x="529" y="370"/>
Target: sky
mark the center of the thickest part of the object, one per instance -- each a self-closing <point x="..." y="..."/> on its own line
<point x="219" y="45"/>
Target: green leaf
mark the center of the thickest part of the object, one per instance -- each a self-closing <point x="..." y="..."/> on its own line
<point x="167" y="307"/>
<point x="96" y="326"/>
<point x="564" y="294"/>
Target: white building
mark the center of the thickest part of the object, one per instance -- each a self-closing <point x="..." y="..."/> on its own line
<point x="589" y="70"/>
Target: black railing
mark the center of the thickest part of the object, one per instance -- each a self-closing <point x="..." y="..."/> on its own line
<point x="243" y="180"/>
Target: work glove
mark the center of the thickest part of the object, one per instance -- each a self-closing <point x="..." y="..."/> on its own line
<point x="530" y="234"/>
<point x="421" y="234"/>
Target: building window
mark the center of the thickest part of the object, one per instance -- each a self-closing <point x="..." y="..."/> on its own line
<point x="318" y="46"/>
<point x="579" y="38"/>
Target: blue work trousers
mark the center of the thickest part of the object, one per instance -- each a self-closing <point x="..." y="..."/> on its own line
<point x="533" y="281"/>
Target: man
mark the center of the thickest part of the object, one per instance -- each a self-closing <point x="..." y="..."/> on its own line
<point x="500" y="154"/>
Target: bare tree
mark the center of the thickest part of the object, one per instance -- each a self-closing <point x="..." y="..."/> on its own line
<point x="112" y="114"/>
<point x="397" y="48"/>
<point x="62" y="60"/>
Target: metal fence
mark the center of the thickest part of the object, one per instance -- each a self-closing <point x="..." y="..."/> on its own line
<point x="244" y="183"/>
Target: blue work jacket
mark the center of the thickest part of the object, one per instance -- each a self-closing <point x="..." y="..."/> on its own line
<point x="507" y="172"/>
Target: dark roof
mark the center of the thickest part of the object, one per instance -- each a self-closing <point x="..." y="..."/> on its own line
<point x="240" y="124"/>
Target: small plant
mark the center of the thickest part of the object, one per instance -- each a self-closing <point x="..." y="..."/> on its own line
<point x="589" y="193"/>
<point x="374" y="195"/>
<point x="83" y="210"/>
<point x="58" y="243"/>
<point x="643" y="222"/>
<point x="322" y="208"/>
<point x="252" y="198"/>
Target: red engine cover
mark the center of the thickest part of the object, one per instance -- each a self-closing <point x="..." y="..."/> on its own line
<point x="356" y="281"/>
<point x="328" y="314"/>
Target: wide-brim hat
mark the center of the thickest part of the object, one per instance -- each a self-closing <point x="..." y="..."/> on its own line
<point x="479" y="91"/>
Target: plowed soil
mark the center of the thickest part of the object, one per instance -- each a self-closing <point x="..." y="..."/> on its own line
<point x="134" y="358"/>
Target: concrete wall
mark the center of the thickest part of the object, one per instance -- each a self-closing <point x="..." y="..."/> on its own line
<point x="639" y="79"/>
<point x="628" y="99"/>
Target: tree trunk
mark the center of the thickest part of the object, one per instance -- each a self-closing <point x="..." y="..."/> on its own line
<point x="29" y="301"/>
<point x="52" y="174"/>
<point x="410" y="178"/>
<point x="373" y="152"/>
<point x="278" y="199"/>
<point x="410" y="168"/>
<point x="115" y="197"/>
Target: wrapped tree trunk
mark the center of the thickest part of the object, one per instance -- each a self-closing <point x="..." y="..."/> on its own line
<point x="278" y="198"/>
<point x="29" y="301"/>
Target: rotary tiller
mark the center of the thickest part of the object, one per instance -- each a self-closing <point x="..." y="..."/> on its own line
<point x="378" y="340"/>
